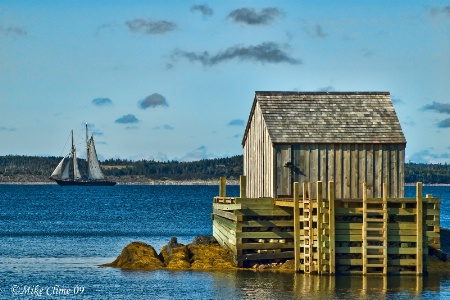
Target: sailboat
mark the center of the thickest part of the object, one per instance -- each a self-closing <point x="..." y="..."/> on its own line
<point x="69" y="173"/>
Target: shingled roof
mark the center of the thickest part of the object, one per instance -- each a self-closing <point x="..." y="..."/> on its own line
<point x="328" y="117"/>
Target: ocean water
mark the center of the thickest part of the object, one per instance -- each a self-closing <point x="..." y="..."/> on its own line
<point x="53" y="239"/>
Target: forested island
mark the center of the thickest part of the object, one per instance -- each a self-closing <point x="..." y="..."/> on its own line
<point x="21" y="169"/>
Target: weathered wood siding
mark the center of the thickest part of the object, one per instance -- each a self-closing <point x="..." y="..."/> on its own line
<point x="349" y="138"/>
<point x="348" y="165"/>
<point x="259" y="158"/>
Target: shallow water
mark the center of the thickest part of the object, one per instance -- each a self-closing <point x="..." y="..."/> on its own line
<point x="53" y="239"/>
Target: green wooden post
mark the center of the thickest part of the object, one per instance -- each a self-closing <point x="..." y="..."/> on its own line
<point x="223" y="187"/>
<point x="243" y="186"/>
<point x="296" y="227"/>
<point x="332" y="227"/>
<point x="319" y="226"/>
<point x="419" y="222"/>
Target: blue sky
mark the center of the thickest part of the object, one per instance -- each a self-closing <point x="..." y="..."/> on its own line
<point x="175" y="80"/>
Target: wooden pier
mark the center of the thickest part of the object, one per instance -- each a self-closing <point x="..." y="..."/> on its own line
<point x="326" y="235"/>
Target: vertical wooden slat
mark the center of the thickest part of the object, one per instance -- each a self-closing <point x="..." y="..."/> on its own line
<point x="394" y="171"/>
<point x="314" y="167"/>
<point x="419" y="224"/>
<point x="386" y="167"/>
<point x="378" y="159"/>
<point x="330" y="164"/>
<point x="354" y="173"/>
<point x="319" y="226"/>
<point x="332" y="227"/>
<point x="369" y="173"/>
<point x="364" y="231"/>
<point x="302" y="166"/>
<point x="261" y="177"/>
<point x="307" y="171"/>
<point x="274" y="172"/>
<point x="296" y="160"/>
<point x="347" y="172"/>
<point x="296" y="227"/>
<point x="385" y="229"/>
<point x="401" y="171"/>
<point x="323" y="167"/>
<point x="362" y="163"/>
<point x="338" y="172"/>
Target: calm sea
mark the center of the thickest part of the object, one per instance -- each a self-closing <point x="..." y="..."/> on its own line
<point x="53" y="238"/>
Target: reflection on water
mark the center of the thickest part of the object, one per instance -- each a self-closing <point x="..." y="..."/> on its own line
<point x="268" y="285"/>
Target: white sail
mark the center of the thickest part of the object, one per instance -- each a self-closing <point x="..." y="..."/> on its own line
<point x="58" y="170"/>
<point x="76" y="171"/>
<point x="94" y="171"/>
<point x="65" y="174"/>
<point x="71" y="174"/>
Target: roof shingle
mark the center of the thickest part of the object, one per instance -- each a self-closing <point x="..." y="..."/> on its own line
<point x="328" y="117"/>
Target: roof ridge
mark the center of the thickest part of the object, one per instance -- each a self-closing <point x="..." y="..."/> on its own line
<point x="271" y="93"/>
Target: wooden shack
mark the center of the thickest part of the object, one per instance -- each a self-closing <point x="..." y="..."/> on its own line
<point x="349" y="138"/>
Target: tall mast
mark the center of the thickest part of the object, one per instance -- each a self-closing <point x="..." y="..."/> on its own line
<point x="87" y="147"/>
<point x="73" y="158"/>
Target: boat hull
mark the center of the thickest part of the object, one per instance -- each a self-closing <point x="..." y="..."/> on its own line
<point x="85" y="183"/>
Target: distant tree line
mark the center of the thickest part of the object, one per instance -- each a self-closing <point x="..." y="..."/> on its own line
<point x="39" y="169"/>
<point x="204" y="169"/>
<point x="427" y="173"/>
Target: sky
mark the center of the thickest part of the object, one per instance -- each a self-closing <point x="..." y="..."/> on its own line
<point x="175" y="80"/>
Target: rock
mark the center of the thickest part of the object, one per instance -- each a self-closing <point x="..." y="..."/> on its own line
<point x="204" y="240"/>
<point x="137" y="256"/>
<point x="196" y="256"/>
<point x="178" y="259"/>
<point x="173" y="243"/>
<point x="211" y="256"/>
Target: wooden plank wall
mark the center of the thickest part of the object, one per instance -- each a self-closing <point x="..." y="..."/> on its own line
<point x="348" y="165"/>
<point x="259" y="158"/>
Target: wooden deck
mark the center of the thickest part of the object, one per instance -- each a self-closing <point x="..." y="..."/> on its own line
<point x="327" y="235"/>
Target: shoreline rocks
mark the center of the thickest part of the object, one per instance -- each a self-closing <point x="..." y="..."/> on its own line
<point x="204" y="253"/>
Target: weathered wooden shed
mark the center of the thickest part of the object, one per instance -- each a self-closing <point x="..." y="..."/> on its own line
<point x="350" y="138"/>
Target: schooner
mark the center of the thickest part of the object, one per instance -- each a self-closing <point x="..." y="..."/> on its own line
<point x="69" y="173"/>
